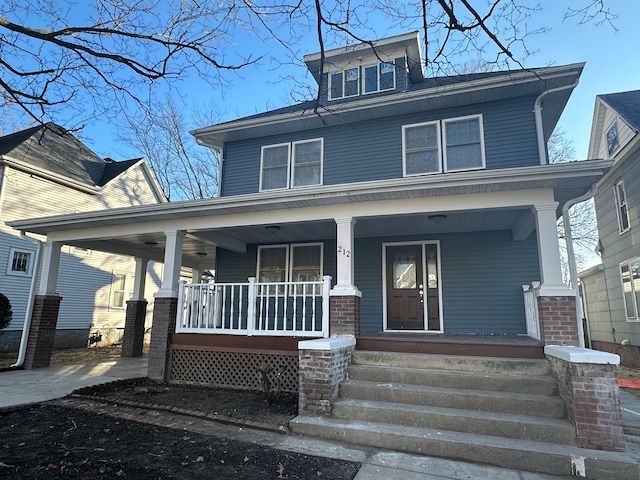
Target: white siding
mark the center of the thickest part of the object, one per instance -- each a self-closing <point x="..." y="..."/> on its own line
<point x="625" y="133"/>
<point x="84" y="279"/>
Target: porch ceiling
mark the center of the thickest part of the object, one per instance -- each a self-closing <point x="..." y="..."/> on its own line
<point x="382" y="208"/>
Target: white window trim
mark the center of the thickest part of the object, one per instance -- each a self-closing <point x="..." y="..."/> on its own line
<point x="265" y="247"/>
<point x="343" y="71"/>
<point x="636" y="317"/>
<point x="290" y="164"/>
<point x="378" y="89"/>
<point x="275" y="145"/>
<point x="113" y="290"/>
<point x="444" y="142"/>
<point x="12" y="253"/>
<point x="404" y="149"/>
<point x="289" y="249"/>
<point x="442" y="150"/>
<point x="611" y="152"/>
<point x="616" y="198"/>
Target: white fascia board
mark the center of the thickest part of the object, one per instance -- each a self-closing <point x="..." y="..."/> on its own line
<point x="91" y="229"/>
<point x="335" y="195"/>
<point x="46" y="174"/>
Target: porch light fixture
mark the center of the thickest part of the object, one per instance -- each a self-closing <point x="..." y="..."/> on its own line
<point x="272" y="228"/>
<point x="151" y="244"/>
<point x="437" y="218"/>
<point x="201" y="254"/>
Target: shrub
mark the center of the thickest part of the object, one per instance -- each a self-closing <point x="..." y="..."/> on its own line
<point x="5" y="312"/>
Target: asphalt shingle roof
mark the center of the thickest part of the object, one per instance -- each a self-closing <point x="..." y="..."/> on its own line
<point x="626" y="104"/>
<point x="49" y="147"/>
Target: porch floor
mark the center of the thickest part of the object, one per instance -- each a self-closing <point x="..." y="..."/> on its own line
<point x="508" y="346"/>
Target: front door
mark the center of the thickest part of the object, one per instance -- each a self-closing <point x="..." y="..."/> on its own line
<point x="412" y="297"/>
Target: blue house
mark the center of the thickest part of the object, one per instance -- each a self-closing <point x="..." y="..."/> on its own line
<point x="396" y="220"/>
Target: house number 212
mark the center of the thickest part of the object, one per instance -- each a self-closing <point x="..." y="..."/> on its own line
<point x="343" y="251"/>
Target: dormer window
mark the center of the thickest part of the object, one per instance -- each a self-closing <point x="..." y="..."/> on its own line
<point x="612" y="139"/>
<point x="380" y="77"/>
<point x="345" y="83"/>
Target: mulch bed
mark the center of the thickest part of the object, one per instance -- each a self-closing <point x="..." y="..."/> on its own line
<point x="54" y="442"/>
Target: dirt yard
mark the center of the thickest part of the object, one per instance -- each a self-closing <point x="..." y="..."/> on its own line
<point x="53" y="442"/>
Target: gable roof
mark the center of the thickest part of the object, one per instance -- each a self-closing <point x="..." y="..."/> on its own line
<point x="627" y="104"/>
<point x="51" y="150"/>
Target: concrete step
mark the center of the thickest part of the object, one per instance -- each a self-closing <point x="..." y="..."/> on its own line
<point x="505" y="402"/>
<point x="500" y="382"/>
<point x="452" y="362"/>
<point x="525" y="427"/>
<point x="503" y="452"/>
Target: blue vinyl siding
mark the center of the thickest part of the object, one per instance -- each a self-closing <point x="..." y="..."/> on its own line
<point x="237" y="268"/>
<point x="372" y="150"/>
<point x="481" y="286"/>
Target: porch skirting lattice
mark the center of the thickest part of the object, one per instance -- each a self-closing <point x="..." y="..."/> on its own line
<point x="234" y="368"/>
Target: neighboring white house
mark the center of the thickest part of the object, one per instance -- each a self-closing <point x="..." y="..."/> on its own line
<point x="611" y="290"/>
<point x="46" y="171"/>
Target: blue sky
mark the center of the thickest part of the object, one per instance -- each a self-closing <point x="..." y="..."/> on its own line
<point x="610" y="67"/>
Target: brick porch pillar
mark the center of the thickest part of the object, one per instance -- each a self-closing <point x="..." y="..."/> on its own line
<point x="344" y="315"/>
<point x="558" y="325"/>
<point x="322" y="366"/>
<point x="165" y="310"/>
<point x="133" y="339"/>
<point x="44" y="319"/>
<point x="588" y="383"/>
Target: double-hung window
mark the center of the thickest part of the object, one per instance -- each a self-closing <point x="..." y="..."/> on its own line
<point x="451" y="145"/>
<point x="20" y="262"/>
<point x="621" y="207"/>
<point x="118" y="290"/>
<point x="344" y="83"/>
<point x="463" y="144"/>
<point x="290" y="165"/>
<point x="630" y="276"/>
<point x="290" y="263"/>
<point x="421" y="145"/>
<point x="380" y="77"/>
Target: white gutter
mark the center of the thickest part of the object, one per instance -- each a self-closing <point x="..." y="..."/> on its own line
<point x="30" y="300"/>
<point x="573" y="270"/>
<point x="537" y="110"/>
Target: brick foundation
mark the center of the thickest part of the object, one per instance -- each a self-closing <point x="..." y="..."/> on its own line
<point x="558" y="320"/>
<point x="344" y="315"/>
<point x="165" y="310"/>
<point x="133" y="339"/>
<point x="44" y="319"/>
<point x="322" y="366"/>
<point x="589" y="386"/>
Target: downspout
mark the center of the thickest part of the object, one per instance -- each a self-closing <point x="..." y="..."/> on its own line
<point x="537" y="110"/>
<point x="26" y="326"/>
<point x="573" y="269"/>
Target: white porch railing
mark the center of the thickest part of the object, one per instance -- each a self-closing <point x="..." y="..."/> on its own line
<point x="531" y="310"/>
<point x="299" y="309"/>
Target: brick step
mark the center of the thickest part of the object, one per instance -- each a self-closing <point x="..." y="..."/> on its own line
<point x="503" y="452"/>
<point x="467" y="399"/>
<point x="523" y="427"/>
<point x="500" y="382"/>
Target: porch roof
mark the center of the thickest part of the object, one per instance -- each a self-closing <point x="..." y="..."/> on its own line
<point x="401" y="206"/>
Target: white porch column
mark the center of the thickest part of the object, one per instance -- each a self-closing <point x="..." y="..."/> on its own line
<point x="549" y="252"/>
<point x="140" y="278"/>
<point x="50" y="268"/>
<point x="344" y="258"/>
<point x="172" y="264"/>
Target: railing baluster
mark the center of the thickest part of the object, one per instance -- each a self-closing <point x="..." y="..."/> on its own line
<point x="272" y="308"/>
